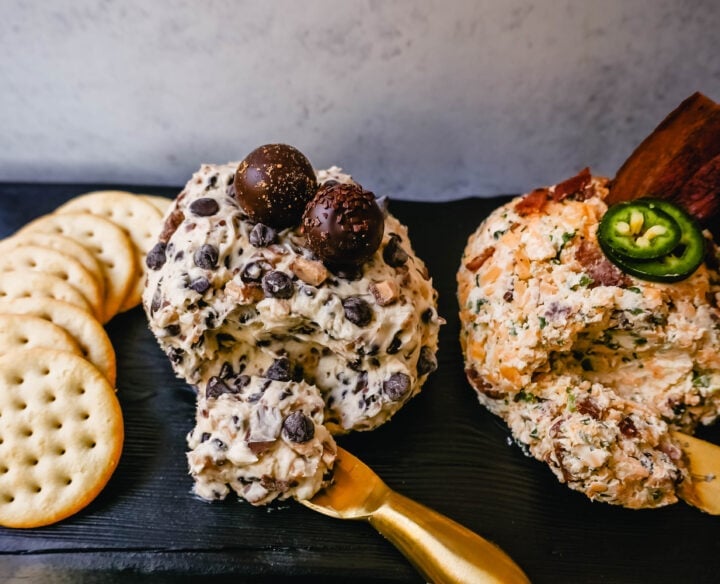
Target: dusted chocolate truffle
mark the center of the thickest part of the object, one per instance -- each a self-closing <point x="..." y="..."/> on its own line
<point x="274" y="183"/>
<point x="343" y="224"/>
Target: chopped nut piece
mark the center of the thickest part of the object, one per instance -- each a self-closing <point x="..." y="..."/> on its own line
<point x="385" y="292"/>
<point x="244" y="293"/>
<point x="309" y="271"/>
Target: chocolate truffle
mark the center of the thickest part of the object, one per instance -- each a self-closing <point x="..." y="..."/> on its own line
<point x="274" y="183"/>
<point x="343" y="224"/>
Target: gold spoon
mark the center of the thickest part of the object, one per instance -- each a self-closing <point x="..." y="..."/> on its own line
<point x="441" y="550"/>
<point x="703" y="457"/>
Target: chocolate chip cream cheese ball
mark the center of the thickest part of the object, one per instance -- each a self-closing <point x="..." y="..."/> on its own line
<point x="293" y="323"/>
<point x="589" y="361"/>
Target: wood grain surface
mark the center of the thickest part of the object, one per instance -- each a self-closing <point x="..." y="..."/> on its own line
<point x="442" y="450"/>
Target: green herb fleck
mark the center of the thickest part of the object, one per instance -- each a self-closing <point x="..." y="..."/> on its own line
<point x="543" y="322"/>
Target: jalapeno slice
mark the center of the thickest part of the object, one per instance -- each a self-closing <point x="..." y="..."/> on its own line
<point x="678" y="263"/>
<point x="638" y="230"/>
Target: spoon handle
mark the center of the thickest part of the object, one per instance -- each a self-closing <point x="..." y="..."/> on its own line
<point x="442" y="550"/>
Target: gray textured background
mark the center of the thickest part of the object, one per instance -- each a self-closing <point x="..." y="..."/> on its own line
<point x="424" y="99"/>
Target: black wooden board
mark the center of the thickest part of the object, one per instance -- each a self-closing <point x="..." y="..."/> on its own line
<point x="442" y="450"/>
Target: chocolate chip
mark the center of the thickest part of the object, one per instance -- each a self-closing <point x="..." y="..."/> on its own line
<point x="298" y="427"/>
<point x="253" y="271"/>
<point x="156" y="257"/>
<point x="427" y="362"/>
<point x="216" y="387"/>
<point x="262" y="235"/>
<point x="172" y="329"/>
<point x="241" y="381"/>
<point x="394" y="345"/>
<point x="156" y="300"/>
<point x="279" y="370"/>
<point x="394" y="254"/>
<point x="362" y="382"/>
<point x="206" y="257"/>
<point x="427" y="315"/>
<point x="357" y="310"/>
<point x="396" y="386"/>
<point x="226" y="370"/>
<point x="204" y="207"/>
<point x="277" y="284"/>
<point x="200" y="285"/>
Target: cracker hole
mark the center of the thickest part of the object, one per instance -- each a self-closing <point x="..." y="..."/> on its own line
<point x="49" y="397"/>
<point x="64" y="276"/>
<point x="8" y="498"/>
<point x="24" y="340"/>
<point x="110" y="265"/>
<point x="4" y="469"/>
<point x="45" y="371"/>
<point x="57" y="425"/>
<point x="33" y="461"/>
<point x="67" y="481"/>
<point x="85" y="416"/>
<point x="81" y="390"/>
<point x="90" y="444"/>
<point x="17" y="380"/>
<point x="37" y="489"/>
<point x="27" y="432"/>
<point x="32" y="263"/>
<point x="21" y="405"/>
<point x="60" y="451"/>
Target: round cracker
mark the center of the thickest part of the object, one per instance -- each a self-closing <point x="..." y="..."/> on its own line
<point x="162" y="204"/>
<point x="107" y="241"/>
<point x="24" y="284"/>
<point x="22" y="331"/>
<point x="91" y="337"/>
<point x="139" y="219"/>
<point x="62" y="244"/>
<point x="61" y="432"/>
<point x="33" y="258"/>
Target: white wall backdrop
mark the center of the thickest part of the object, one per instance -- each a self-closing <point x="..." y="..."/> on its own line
<point x="418" y="99"/>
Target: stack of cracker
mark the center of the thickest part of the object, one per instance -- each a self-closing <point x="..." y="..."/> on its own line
<point x="62" y="277"/>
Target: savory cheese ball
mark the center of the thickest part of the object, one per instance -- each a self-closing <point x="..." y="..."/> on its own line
<point x="229" y="296"/>
<point x="588" y="366"/>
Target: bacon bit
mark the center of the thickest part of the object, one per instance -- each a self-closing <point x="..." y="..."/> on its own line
<point x="557" y="449"/>
<point x="590" y="408"/>
<point x="701" y="194"/>
<point x="481" y="385"/>
<point x="666" y="160"/>
<point x="476" y="263"/>
<point x="599" y="268"/>
<point x="573" y="185"/>
<point x="533" y="202"/>
<point x="627" y="427"/>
